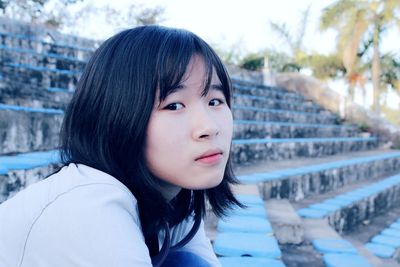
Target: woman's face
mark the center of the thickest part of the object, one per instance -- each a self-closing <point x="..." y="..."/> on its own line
<point x="189" y="135"/>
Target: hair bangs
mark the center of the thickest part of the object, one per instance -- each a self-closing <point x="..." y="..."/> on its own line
<point x="174" y="58"/>
<point x="172" y="61"/>
<point x="214" y="64"/>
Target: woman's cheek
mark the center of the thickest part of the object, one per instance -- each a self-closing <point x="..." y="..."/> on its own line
<point x="227" y="121"/>
<point x="174" y="128"/>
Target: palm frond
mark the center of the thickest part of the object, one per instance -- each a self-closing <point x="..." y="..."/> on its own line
<point x="302" y="27"/>
<point x="332" y="15"/>
<point x="282" y="30"/>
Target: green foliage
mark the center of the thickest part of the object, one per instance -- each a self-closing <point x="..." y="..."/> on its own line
<point x="391" y="115"/>
<point x="291" y="67"/>
<point x="390" y="72"/>
<point x="148" y="16"/>
<point x="38" y="5"/>
<point x="231" y="55"/>
<point x="3" y="4"/>
<point x="252" y="62"/>
<point x="56" y="14"/>
<point x="363" y="127"/>
<point x="332" y="14"/>
<point x="294" y="39"/>
<point x="396" y="142"/>
<point x="35" y="10"/>
<point x="325" y="66"/>
<point x="278" y="60"/>
<point x="360" y="25"/>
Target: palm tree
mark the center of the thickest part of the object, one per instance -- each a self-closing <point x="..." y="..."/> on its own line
<point x="360" y="24"/>
<point x="293" y="40"/>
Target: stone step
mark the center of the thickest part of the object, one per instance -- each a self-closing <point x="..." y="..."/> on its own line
<point x="347" y="210"/>
<point x="334" y="250"/>
<point x="34" y="58"/>
<point x="302" y="182"/>
<point x="263" y="114"/>
<point x="287" y="225"/>
<point x="266" y="166"/>
<point x="27" y="123"/>
<point x="259" y="89"/>
<point x="270" y="103"/>
<point x="246" y="129"/>
<point x="21" y="170"/>
<point x="248" y="151"/>
<point x="20" y="93"/>
<point x="385" y="244"/>
<point x="39" y="45"/>
<point x="267" y="91"/>
<point x="365" y="232"/>
<point x="72" y="73"/>
<point x="40" y="77"/>
<point x="247" y="232"/>
<point x="249" y="262"/>
<point x="30" y="128"/>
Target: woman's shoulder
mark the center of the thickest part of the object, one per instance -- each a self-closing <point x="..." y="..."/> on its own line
<point x="79" y="191"/>
<point x="79" y="177"/>
<point x="75" y="183"/>
<point x="78" y="201"/>
<point x="74" y="188"/>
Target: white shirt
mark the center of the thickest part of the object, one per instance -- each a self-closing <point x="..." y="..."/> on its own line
<point x="81" y="216"/>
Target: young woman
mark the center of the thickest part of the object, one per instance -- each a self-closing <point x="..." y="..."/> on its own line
<point x="145" y="144"/>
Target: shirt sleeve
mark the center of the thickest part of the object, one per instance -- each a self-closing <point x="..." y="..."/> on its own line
<point x="91" y="225"/>
<point x="201" y="246"/>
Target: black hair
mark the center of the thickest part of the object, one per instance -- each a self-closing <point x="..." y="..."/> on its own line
<point x="106" y="121"/>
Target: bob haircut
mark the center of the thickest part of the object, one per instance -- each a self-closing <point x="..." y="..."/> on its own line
<point x="106" y="121"/>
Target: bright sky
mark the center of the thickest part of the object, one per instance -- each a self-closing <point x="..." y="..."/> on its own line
<point x="228" y="23"/>
<point x="235" y="23"/>
<point x="246" y="22"/>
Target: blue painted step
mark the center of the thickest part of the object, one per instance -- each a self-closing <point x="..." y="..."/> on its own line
<point x="251" y="244"/>
<point x="249" y="262"/>
<point x="28" y="160"/>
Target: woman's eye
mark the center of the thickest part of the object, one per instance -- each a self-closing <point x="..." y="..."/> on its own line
<point x="216" y="102"/>
<point x="174" y="106"/>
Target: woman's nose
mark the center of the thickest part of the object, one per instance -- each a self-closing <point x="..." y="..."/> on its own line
<point x="204" y="125"/>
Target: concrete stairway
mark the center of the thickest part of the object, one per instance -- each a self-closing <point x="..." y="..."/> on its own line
<point x="32" y="104"/>
<point x="311" y="171"/>
<point x="330" y="177"/>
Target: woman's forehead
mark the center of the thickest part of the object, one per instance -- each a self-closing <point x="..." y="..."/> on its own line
<point x="197" y="70"/>
<point x="200" y="74"/>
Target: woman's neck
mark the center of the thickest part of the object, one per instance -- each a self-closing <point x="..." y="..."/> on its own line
<point x="169" y="191"/>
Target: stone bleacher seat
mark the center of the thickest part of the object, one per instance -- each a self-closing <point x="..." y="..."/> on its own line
<point x="247" y="232"/>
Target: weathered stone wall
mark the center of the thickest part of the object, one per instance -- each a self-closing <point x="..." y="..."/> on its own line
<point x="289" y="130"/>
<point x="315" y="90"/>
<point x="246" y="75"/>
<point x="246" y="154"/>
<point x="31" y="88"/>
<point x="12" y="182"/>
<point x="252" y="113"/>
<point x="28" y="131"/>
<point x="45" y="34"/>
<point x="346" y="219"/>
<point x="299" y="187"/>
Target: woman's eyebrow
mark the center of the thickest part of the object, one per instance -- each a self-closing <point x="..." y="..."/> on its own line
<point x="217" y="87"/>
<point x="180" y="87"/>
<point x="175" y="89"/>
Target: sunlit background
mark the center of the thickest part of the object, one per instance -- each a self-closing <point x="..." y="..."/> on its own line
<point x="316" y="38"/>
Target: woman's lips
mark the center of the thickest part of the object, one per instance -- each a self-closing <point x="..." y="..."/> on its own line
<point x="210" y="159"/>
